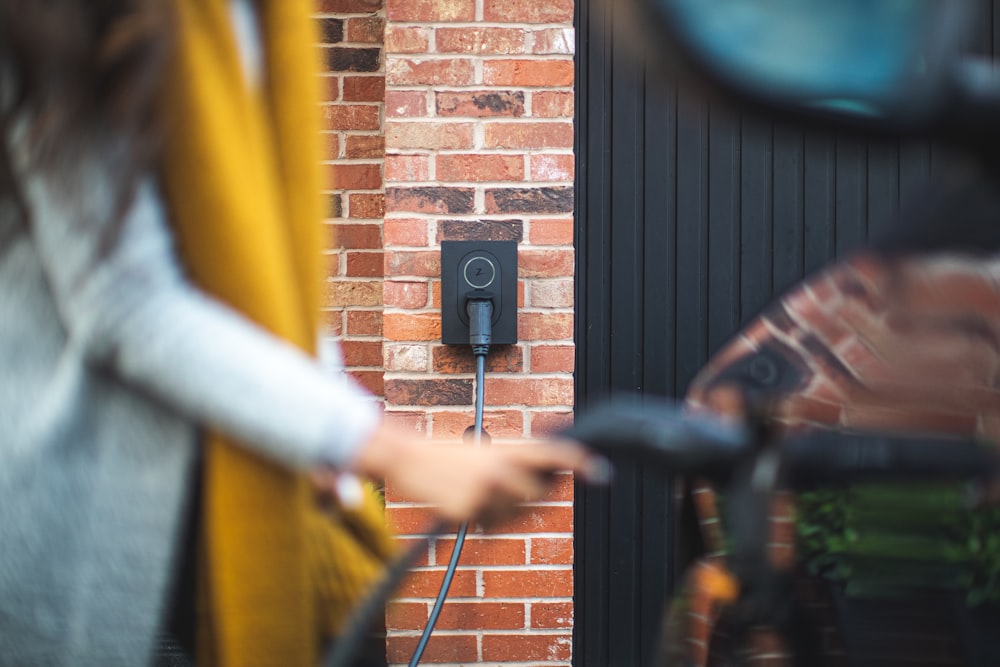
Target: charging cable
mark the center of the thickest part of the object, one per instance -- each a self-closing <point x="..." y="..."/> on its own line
<point x="480" y="312"/>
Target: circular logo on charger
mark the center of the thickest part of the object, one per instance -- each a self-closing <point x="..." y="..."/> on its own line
<point x="479" y="272"/>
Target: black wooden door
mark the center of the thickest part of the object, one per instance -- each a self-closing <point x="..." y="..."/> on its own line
<point x="689" y="219"/>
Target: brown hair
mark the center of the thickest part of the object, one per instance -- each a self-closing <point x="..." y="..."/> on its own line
<point x="73" y="65"/>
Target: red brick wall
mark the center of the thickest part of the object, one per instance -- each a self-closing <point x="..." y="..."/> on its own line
<point x="479" y="144"/>
<point x="474" y="102"/>
<point x="352" y="32"/>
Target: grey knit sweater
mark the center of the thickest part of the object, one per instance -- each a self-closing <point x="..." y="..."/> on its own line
<point x="109" y="364"/>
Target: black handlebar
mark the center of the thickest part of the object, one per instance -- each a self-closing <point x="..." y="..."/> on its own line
<point x="705" y="446"/>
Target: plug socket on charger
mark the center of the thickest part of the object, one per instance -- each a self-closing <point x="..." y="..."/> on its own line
<point x="478" y="270"/>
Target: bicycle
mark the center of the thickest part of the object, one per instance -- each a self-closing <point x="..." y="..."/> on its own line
<point x="750" y="464"/>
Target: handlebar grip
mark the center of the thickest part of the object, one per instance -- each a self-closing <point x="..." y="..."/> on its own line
<point x="831" y="457"/>
<point x="666" y="438"/>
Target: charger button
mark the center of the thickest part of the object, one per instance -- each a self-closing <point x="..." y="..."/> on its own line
<point x="479" y="272"/>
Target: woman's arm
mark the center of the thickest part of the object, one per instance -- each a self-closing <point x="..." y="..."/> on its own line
<point x="126" y="305"/>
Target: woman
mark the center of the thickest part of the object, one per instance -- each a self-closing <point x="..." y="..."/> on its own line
<point x="159" y="277"/>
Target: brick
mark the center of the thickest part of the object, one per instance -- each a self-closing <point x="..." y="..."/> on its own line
<point x="426" y="583"/>
<point x="560" y="41"/>
<point x="552" y="358"/>
<point x="352" y="59"/>
<point x="480" y="104"/>
<point x="366" y="205"/>
<point x="364" y="89"/>
<point x="546" y="200"/>
<point x="411" y="520"/>
<point x="490" y="41"/>
<point x="551" y="232"/>
<point x="364" y="264"/>
<point x="529" y="391"/>
<point x="349" y="6"/>
<point x="403" y="168"/>
<point x="528" y="584"/>
<point x="331" y="30"/>
<point x="525" y="648"/>
<point x="332" y="263"/>
<point x="331" y="93"/>
<point x="365" y="147"/>
<point x="544" y="326"/>
<point x="531" y="519"/>
<point x="496" y="423"/>
<point x="406" y="358"/>
<point x="352" y="117"/>
<point x="404" y="544"/>
<point x="354" y="293"/>
<point x="405" y="103"/>
<point x="478" y="167"/>
<point x="458" y="616"/>
<point x="415" y="422"/>
<point x="532" y="136"/>
<point x="552" y="168"/>
<point x="548" y="263"/>
<point x="482" y="615"/>
<point x="404" y="39"/>
<point x="362" y="353"/>
<point x="528" y="11"/>
<point x="480" y="230"/>
<point x="551" y="615"/>
<point x="364" y="323"/>
<point x="425" y="263"/>
<point x="430" y="72"/>
<point x="366" y="29"/>
<point x="428" y="392"/>
<point x="450" y="359"/>
<point x="411" y="326"/>
<point x="336" y="206"/>
<point x="424" y="11"/>
<point x="429" y="136"/>
<point x="460" y="649"/>
<point x="552" y="104"/>
<point x="372" y="381"/>
<point x="332" y="322"/>
<point x="528" y="73"/>
<point x="479" y="551"/>
<point x="560" y="489"/>
<point x="409" y="295"/>
<point x="405" y="232"/>
<point x="551" y="293"/>
<point x="549" y="422"/>
<point x="552" y="550"/>
<point x="430" y="199"/>
<point x="359" y="236"/>
<point x="356" y="176"/>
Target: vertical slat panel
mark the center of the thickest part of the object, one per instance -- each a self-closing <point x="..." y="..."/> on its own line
<point x="756" y="222"/>
<point x="692" y="237"/>
<point x="818" y="206"/>
<point x="689" y="218"/>
<point x="591" y="639"/>
<point x="723" y="224"/>
<point x="787" y="195"/>
<point x="627" y="120"/>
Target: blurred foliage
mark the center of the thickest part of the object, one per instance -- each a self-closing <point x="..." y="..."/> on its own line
<point x="882" y="540"/>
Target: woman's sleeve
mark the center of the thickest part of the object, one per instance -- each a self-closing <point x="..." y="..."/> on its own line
<point x="127" y="306"/>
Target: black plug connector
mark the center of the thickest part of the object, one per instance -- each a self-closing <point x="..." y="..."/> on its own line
<point x="480" y="312"/>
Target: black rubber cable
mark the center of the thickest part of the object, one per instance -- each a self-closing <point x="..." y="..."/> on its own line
<point x="462" y="530"/>
<point x="345" y="649"/>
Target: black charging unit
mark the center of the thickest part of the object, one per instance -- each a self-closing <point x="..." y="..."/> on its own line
<point x="478" y="270"/>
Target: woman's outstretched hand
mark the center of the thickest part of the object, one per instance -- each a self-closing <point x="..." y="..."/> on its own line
<point x="465" y="482"/>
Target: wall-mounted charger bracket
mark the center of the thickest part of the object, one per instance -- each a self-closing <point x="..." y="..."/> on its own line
<point x="478" y="270"/>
